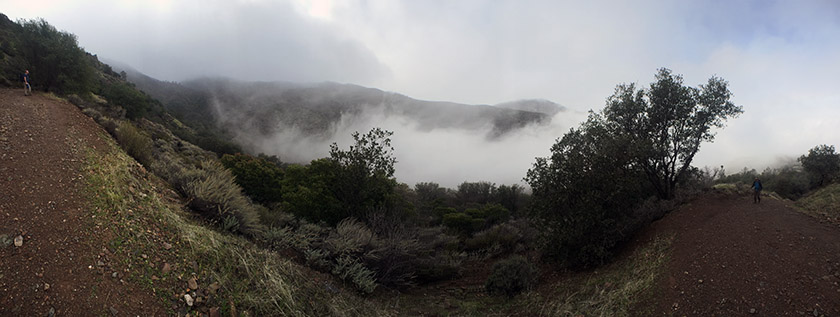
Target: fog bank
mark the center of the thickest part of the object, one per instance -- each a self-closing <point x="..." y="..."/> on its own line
<point x="447" y="156"/>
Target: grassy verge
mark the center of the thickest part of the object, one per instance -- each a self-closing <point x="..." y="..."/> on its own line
<point x="148" y="228"/>
<point x="615" y="290"/>
<point x="822" y="204"/>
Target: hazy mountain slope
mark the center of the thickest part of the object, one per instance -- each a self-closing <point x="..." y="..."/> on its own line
<point x="534" y="105"/>
<point x="314" y="109"/>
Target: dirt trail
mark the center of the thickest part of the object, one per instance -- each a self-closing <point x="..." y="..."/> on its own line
<point x="55" y="272"/>
<point x="731" y="257"/>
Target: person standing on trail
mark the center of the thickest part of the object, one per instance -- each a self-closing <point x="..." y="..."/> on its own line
<point x="756" y="186"/>
<point x="27" y="88"/>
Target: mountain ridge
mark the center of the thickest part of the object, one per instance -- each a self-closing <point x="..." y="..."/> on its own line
<point x="314" y="108"/>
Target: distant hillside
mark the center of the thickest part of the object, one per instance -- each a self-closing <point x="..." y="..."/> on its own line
<point x="534" y="105"/>
<point x="315" y="109"/>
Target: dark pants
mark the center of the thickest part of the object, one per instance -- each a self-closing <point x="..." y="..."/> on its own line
<point x="757" y="196"/>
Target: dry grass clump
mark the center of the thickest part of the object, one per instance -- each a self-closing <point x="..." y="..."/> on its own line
<point x="134" y="142"/>
<point x="213" y="192"/>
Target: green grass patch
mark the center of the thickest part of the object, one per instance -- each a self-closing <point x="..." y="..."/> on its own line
<point x="614" y="290"/>
<point x="823" y="203"/>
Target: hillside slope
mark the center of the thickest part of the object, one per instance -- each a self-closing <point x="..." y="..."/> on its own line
<point x="264" y="109"/>
<point x="732" y="257"/>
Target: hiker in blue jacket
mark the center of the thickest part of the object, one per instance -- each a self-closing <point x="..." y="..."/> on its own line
<point x="756" y="186"/>
<point x="27" y="88"/>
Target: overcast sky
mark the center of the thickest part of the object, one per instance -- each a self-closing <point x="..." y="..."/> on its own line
<point x="781" y="58"/>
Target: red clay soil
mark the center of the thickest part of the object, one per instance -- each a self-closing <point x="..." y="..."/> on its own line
<point x="731" y="257"/>
<point x="42" y="148"/>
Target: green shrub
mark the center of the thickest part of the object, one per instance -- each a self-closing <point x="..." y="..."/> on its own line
<point x="125" y="95"/>
<point x="349" y="269"/>
<point x="459" y="221"/>
<point x="230" y="223"/>
<point x="134" y="142"/>
<point x="439" y="212"/>
<point x="279" y="237"/>
<point x="511" y="277"/>
<point x="440" y="266"/>
<point x="475" y="212"/>
<point x="495" y="213"/>
<point x="260" y="179"/>
<point x="307" y="192"/>
<point x="318" y="259"/>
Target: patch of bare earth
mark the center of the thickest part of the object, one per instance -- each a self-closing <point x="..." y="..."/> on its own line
<point x="60" y="268"/>
<point x="731" y="257"/>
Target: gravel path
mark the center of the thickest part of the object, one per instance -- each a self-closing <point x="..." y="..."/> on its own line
<point x="731" y="257"/>
<point x="43" y="143"/>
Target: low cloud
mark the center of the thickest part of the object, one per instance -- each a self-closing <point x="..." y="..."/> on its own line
<point x="448" y="156"/>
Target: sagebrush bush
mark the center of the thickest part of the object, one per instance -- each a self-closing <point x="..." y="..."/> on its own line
<point x="350" y="237"/>
<point x="230" y="223"/>
<point x="93" y="114"/>
<point x="275" y="216"/>
<point x="279" y="237"/>
<point x="307" y="235"/>
<point x="109" y="125"/>
<point x="501" y="238"/>
<point x="511" y="276"/>
<point x="348" y="268"/>
<point x="134" y="142"/>
<point x="394" y="258"/>
<point x="318" y="259"/>
<point x="213" y="192"/>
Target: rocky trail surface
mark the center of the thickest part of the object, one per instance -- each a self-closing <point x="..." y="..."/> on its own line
<point x="52" y="258"/>
<point x="731" y="257"/>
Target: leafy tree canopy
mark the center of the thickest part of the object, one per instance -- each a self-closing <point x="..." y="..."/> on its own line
<point x="54" y="58"/>
<point x="667" y="122"/>
<point x="821" y="163"/>
<point x="640" y="145"/>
